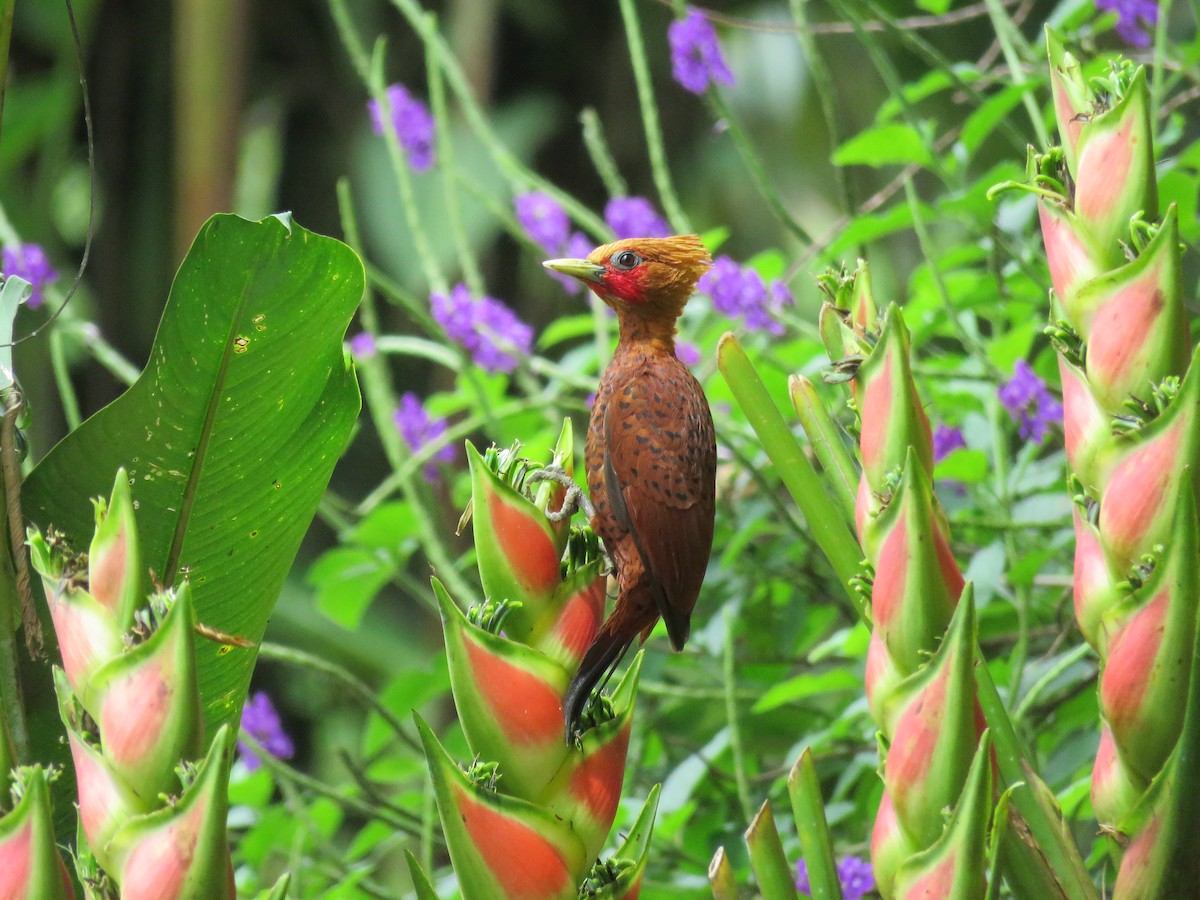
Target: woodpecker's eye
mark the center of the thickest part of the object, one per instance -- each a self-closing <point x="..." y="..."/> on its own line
<point x="626" y="260"/>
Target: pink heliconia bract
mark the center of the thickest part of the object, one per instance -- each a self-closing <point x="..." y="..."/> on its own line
<point x="30" y="864"/>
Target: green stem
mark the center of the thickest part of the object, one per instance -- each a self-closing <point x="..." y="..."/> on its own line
<point x="445" y="149"/>
<point x="650" y="124"/>
<point x="729" y="672"/>
<point x="601" y="156"/>
<point x="822" y="514"/>
<point x="6" y="21"/>
<point x="1008" y="36"/>
<point x="824" y="436"/>
<point x="1061" y="665"/>
<point x="754" y="166"/>
<point x="105" y="353"/>
<point x="62" y="380"/>
<point x="1157" y="72"/>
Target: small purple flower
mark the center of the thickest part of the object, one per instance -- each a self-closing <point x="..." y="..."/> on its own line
<point x="412" y="122"/>
<point x="1029" y="403"/>
<point x="688" y="354"/>
<point x="419" y="428"/>
<point x="29" y="261"/>
<point x="543" y="220"/>
<point x="696" y="60"/>
<point x="1133" y="16"/>
<point x="486" y="328"/>
<point x="362" y="345"/>
<point x="856" y="878"/>
<point x="261" y="722"/>
<point x="740" y="291"/>
<point x="635" y="217"/>
<point x="854" y="875"/>
<point x="946" y="440"/>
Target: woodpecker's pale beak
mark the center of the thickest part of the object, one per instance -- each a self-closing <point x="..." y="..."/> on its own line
<point x="576" y="268"/>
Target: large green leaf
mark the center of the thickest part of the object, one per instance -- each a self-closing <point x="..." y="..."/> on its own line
<point x="230" y="434"/>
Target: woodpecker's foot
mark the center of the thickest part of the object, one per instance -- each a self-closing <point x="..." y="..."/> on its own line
<point x="574" y="499"/>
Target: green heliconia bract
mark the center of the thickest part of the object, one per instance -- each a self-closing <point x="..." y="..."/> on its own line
<point x="30" y="865"/>
<point x="955" y="865"/>
<point x="182" y="851"/>
<point x="114" y="560"/>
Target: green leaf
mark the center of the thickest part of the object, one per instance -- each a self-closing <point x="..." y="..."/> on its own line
<point x="885" y="145"/>
<point x="804" y="789"/>
<point x="347" y="579"/>
<point x="984" y="120"/>
<point x="970" y="466"/>
<point x="229" y="435"/>
<point x="807" y="685"/>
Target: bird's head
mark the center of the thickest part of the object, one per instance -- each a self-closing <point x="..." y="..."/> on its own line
<point x="644" y="278"/>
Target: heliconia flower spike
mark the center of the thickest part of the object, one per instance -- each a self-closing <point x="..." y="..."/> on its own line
<point x="182" y="851"/>
<point x="518" y="551"/>
<point x="1114" y="169"/>
<point x="955" y="865"/>
<point x="1136" y="508"/>
<point x="1149" y="650"/>
<point x="30" y="864"/>
<point x="146" y="703"/>
<point x="1137" y="332"/>
<point x="935" y="731"/>
<point x="501" y="846"/>
<point x="917" y="582"/>
<point x="114" y="561"/>
<point x="893" y="418"/>
<point x="509" y="700"/>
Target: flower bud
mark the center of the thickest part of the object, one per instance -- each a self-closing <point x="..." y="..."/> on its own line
<point x="182" y="851"/>
<point x="501" y="846"/>
<point x="893" y="419"/>
<point x="935" y="733"/>
<point x="518" y="551"/>
<point x="1114" y="171"/>
<point x="30" y="865"/>
<point x="1149" y="652"/>
<point x="114" y="569"/>
<point x="1138" y="502"/>
<point x="917" y="582"/>
<point x="147" y="704"/>
<point x="1138" y="332"/>
<point x="955" y="865"/>
<point x="509" y="700"/>
<point x="587" y="788"/>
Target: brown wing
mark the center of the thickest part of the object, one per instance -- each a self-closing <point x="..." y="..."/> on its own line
<point x="660" y="463"/>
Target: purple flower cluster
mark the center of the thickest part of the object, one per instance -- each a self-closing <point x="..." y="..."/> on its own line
<point x="29" y="261"/>
<point x="548" y="225"/>
<point x="486" y="328"/>
<point x="419" y="428"/>
<point x="411" y="121"/>
<point x="854" y="875"/>
<point x="632" y="217"/>
<point x="1030" y="403"/>
<point x="362" y="345"/>
<point x="1133" y="17"/>
<point x="261" y="722"/>
<point x="696" y="60"/>
<point x="946" y="440"/>
<point x="688" y="354"/>
<point x="740" y="291"/>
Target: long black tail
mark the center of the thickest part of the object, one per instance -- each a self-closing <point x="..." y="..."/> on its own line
<point x="597" y="667"/>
